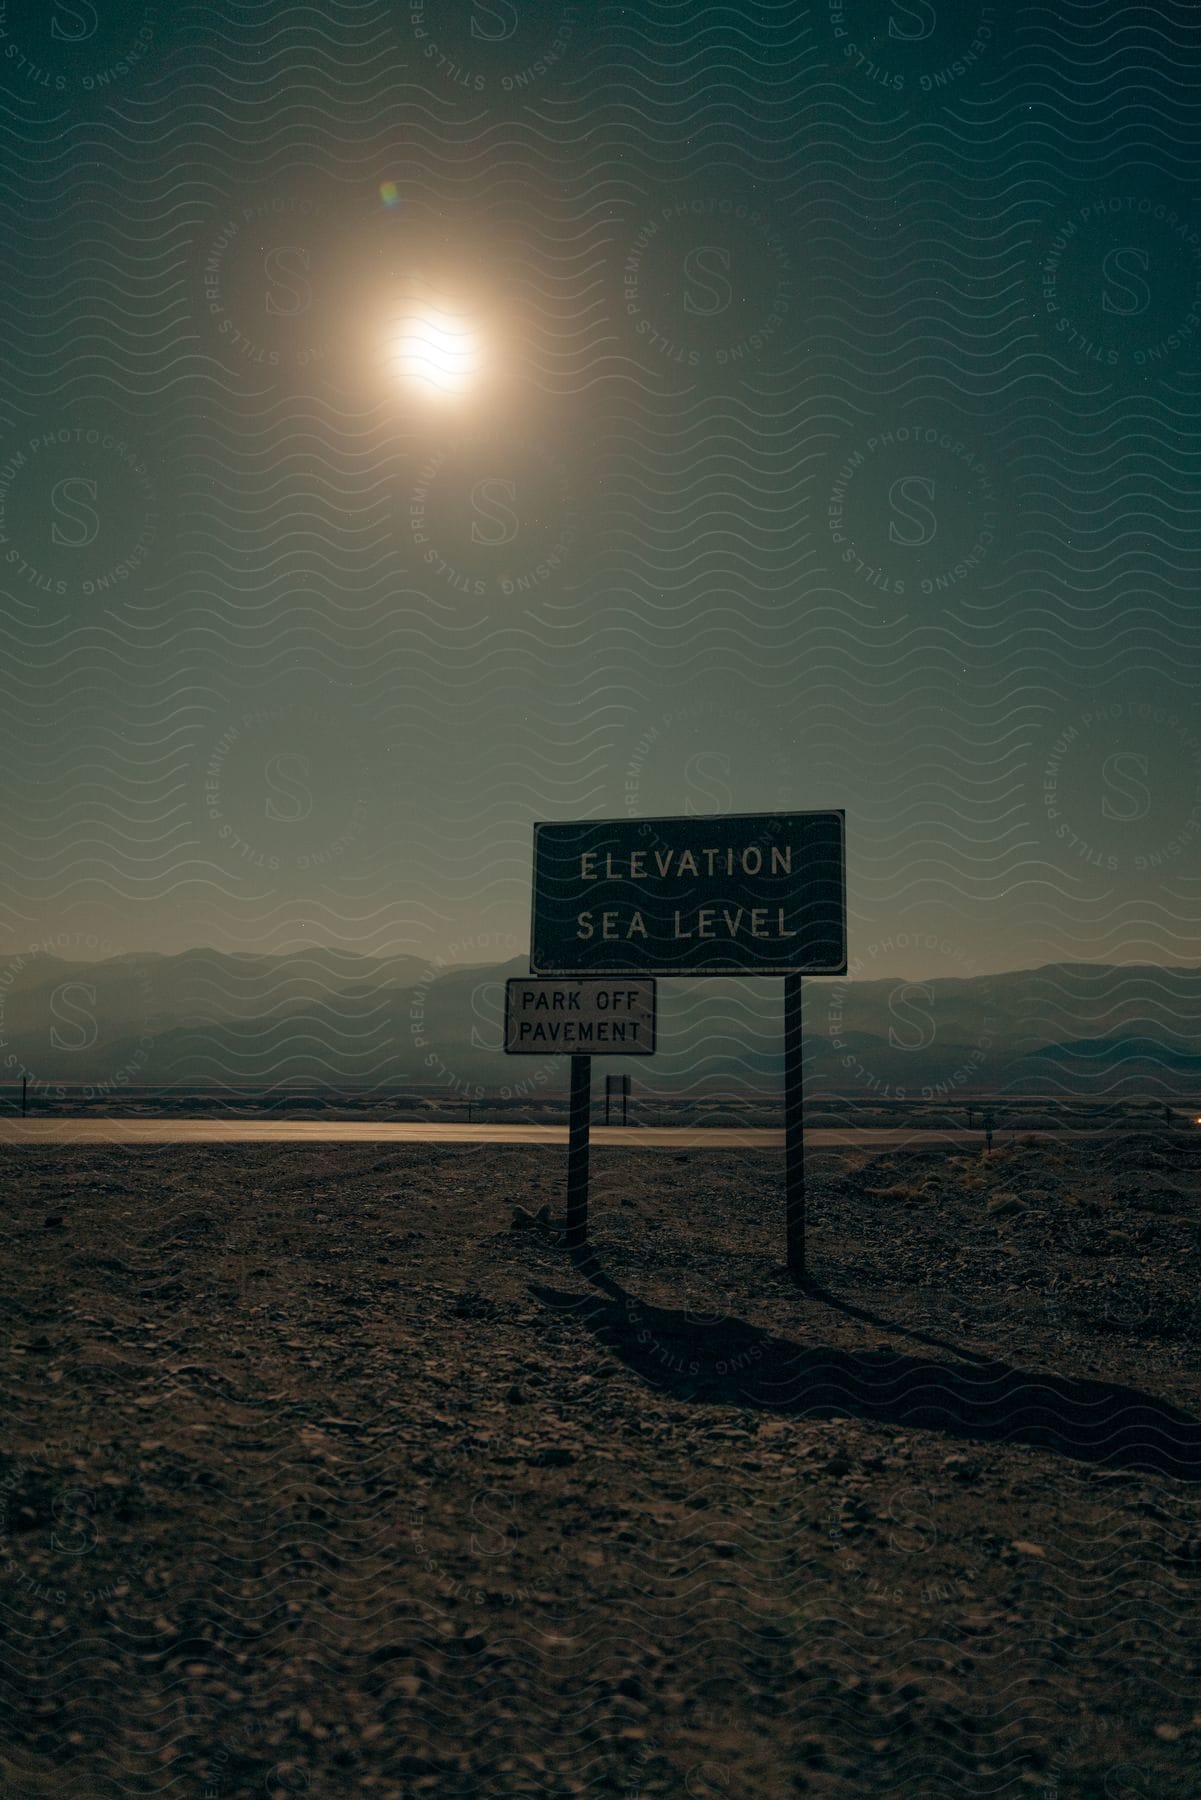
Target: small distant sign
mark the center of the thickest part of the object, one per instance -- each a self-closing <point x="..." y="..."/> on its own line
<point x="727" y="894"/>
<point x="579" y="1018"/>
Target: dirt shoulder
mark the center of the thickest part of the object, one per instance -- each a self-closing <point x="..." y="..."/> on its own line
<point x="324" y="1473"/>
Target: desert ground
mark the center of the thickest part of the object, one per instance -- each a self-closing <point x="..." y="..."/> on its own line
<point x="328" y="1470"/>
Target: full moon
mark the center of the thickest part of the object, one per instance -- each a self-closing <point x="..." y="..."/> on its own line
<point x="437" y="352"/>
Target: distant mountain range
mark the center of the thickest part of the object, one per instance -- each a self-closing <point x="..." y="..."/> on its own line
<point x="336" y="1019"/>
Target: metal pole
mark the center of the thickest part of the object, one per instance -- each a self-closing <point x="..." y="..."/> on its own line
<point x="794" y="1128"/>
<point x="607" y="1085"/>
<point x="625" y="1094"/>
<point x="24" y="1093"/>
<point x="577" y="1151"/>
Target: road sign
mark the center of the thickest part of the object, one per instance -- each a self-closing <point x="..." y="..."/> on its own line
<point x="731" y="894"/>
<point x="579" y="1018"/>
<point x="727" y="894"/>
<point x="618" y="1085"/>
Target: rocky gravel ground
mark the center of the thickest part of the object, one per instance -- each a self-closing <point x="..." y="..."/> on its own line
<point x="329" y="1471"/>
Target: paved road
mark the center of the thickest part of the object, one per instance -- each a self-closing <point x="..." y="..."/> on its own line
<point x="348" y="1131"/>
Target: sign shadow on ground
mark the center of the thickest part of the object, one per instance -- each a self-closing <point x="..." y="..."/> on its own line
<point x="731" y="1362"/>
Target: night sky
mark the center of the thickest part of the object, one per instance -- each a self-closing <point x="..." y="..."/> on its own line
<point x="419" y="420"/>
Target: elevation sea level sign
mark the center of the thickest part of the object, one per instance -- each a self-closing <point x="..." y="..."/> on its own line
<point x="724" y="894"/>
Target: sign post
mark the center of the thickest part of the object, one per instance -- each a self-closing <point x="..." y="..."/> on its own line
<point x="794" y="1129"/>
<point x="713" y="895"/>
<point x="584" y="1019"/>
<point x="577" y="1151"/>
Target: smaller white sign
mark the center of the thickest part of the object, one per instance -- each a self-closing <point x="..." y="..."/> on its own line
<point x="579" y="1018"/>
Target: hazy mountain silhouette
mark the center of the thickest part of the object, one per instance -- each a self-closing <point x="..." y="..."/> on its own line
<point x="333" y="1017"/>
